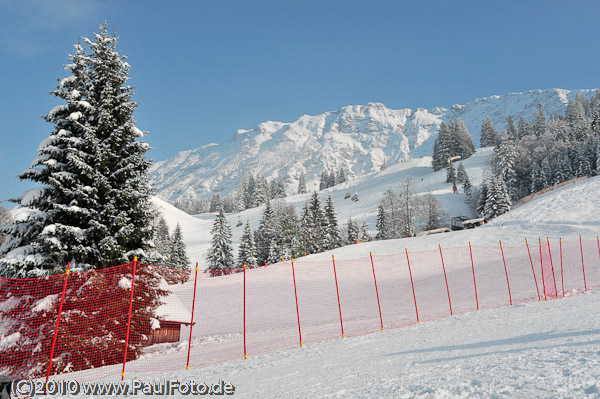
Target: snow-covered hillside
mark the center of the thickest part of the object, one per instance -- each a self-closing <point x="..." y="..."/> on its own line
<point x="528" y="350"/>
<point x="565" y="212"/>
<point x="357" y="138"/>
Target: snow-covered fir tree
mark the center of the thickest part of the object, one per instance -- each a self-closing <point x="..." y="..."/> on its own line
<point x="467" y="189"/>
<point x="262" y="193"/>
<point x="220" y="253"/>
<point x="302" y="184"/>
<point x="497" y="201"/>
<point x="511" y="128"/>
<point x="93" y="206"/>
<point x="489" y="135"/>
<point x="247" y="252"/>
<point x="340" y="177"/>
<point x="353" y="231"/>
<point x="93" y="210"/>
<point x="539" y="123"/>
<point x="178" y="258"/>
<point x="461" y="173"/>
<point x="286" y="222"/>
<point x="162" y="240"/>
<point x="450" y="173"/>
<point x="364" y="232"/>
<point x="306" y="228"/>
<point x="216" y="203"/>
<point x="333" y="237"/>
<point x="453" y="140"/>
<point x="381" y="224"/>
<point x="319" y="225"/>
<point x="266" y="234"/>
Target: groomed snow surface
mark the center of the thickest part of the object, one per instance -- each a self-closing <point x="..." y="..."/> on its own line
<point x="540" y="350"/>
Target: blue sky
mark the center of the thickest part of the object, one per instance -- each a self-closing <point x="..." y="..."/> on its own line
<point x="204" y="69"/>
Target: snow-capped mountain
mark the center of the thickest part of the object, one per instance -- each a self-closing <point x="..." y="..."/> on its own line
<point x="358" y="138"/>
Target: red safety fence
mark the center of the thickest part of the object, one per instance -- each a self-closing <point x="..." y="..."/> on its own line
<point x="137" y="318"/>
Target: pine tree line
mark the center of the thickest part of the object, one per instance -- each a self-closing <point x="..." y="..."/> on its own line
<point x="170" y="246"/>
<point x="533" y="156"/>
<point x="281" y="234"/>
<point x="255" y="191"/>
<point x="330" y="179"/>
<point x="453" y="140"/>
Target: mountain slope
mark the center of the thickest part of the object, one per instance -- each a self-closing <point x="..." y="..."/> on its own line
<point x="358" y="138"/>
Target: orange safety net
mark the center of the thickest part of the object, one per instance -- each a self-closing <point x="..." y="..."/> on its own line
<point x="246" y="311"/>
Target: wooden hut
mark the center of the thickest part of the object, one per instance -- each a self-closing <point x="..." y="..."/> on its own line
<point x="170" y="316"/>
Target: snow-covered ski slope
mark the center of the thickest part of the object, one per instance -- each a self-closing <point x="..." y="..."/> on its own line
<point x="566" y="212"/>
<point x="539" y="350"/>
<point x="529" y="350"/>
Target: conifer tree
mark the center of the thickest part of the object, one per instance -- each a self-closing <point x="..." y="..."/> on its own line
<point x="489" y="135"/>
<point x="162" y="240"/>
<point x="179" y="258"/>
<point x="247" y="252"/>
<point x="261" y="191"/>
<point x="505" y="156"/>
<point x="353" y="231"/>
<point x="324" y="182"/>
<point x="524" y="128"/>
<point x="220" y="253"/>
<point x="481" y="201"/>
<point x="265" y="234"/>
<point x="390" y="203"/>
<point x="302" y="184"/>
<point x="461" y="173"/>
<point x="381" y="225"/>
<point x="364" y="232"/>
<point x="93" y="206"/>
<point x="341" y="176"/>
<point x="333" y="240"/>
<point x="511" y="129"/>
<point x="319" y="224"/>
<point x="450" y="173"/>
<point x="306" y="228"/>
<point x="467" y="189"/>
<point x="442" y="147"/>
<point x="539" y="123"/>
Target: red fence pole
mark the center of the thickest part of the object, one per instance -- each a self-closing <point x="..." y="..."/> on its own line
<point x="296" y="295"/>
<point x="129" y="317"/>
<point x="187" y="367"/>
<point x="562" y="278"/>
<point x="245" y="353"/>
<point x="62" y="298"/>
<point x="552" y="267"/>
<point x="474" y="281"/>
<point x="412" y="284"/>
<point x="598" y="239"/>
<point x="376" y="290"/>
<point x="533" y="270"/>
<point x="338" y="295"/>
<point x="582" y="264"/>
<point x="542" y="267"/>
<point x="446" y="278"/>
<point x="506" y="271"/>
